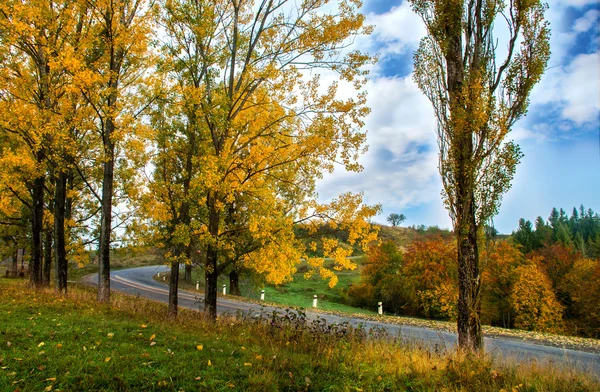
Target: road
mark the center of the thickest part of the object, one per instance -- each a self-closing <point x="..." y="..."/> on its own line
<point x="139" y="281"/>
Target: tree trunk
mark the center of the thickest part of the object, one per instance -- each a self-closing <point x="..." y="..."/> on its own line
<point x="48" y="234"/>
<point x="35" y="266"/>
<point x="234" y="283"/>
<point x="106" y="217"/>
<point x="211" y="271"/>
<point x="59" y="232"/>
<point x="188" y="273"/>
<point x="173" y="287"/>
<point x="469" y="304"/>
<point x="210" y="290"/>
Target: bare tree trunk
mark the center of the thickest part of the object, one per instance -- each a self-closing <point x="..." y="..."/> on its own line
<point x="35" y="266"/>
<point x="59" y="232"/>
<point x="173" y="287"/>
<point x="47" y="268"/>
<point x="210" y="288"/>
<point x="106" y="217"/>
<point x="188" y="273"/>
<point x="234" y="283"/>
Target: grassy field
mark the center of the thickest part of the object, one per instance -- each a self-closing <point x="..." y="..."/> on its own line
<point x="53" y="343"/>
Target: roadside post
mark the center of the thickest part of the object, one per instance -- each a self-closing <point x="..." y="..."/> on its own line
<point x="315" y="301"/>
<point x="224" y="289"/>
<point x="262" y="295"/>
<point x="380" y="308"/>
<point x="197" y="285"/>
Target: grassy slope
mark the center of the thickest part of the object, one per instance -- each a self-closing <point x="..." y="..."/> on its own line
<point x="51" y="343"/>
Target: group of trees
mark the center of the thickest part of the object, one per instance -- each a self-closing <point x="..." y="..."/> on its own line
<point x="553" y="288"/>
<point x="239" y="126"/>
<point x="581" y="230"/>
<point x="196" y="126"/>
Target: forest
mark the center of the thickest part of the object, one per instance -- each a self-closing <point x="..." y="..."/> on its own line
<point x="542" y="278"/>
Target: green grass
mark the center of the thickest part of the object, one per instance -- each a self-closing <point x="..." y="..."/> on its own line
<point x="52" y="343"/>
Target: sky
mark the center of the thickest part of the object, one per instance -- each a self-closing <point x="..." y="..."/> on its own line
<point x="559" y="136"/>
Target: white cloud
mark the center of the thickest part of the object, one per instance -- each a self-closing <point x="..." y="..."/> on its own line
<point x="397" y="30"/>
<point x="400" y="168"/>
<point x="586" y="22"/>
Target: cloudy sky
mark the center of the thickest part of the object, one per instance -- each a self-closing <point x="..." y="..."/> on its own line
<point x="560" y="135"/>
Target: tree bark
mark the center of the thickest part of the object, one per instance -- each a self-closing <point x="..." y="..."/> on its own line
<point x="106" y="217"/>
<point x="173" y="287"/>
<point x="234" y="283"/>
<point x="47" y="268"/>
<point x="35" y="266"/>
<point x="210" y="290"/>
<point x="188" y="273"/>
<point x="211" y="273"/>
<point x="60" y="196"/>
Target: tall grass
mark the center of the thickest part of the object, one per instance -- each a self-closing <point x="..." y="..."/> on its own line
<point x="133" y="345"/>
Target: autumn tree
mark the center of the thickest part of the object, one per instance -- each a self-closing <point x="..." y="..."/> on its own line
<point x="39" y="45"/>
<point x="270" y="128"/>
<point x="533" y="301"/>
<point x="478" y="93"/>
<point x="117" y="59"/>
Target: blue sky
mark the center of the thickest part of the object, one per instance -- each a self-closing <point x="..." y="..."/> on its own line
<point x="560" y="136"/>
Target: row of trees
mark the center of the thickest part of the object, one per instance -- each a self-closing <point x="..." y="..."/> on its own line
<point x="197" y="126"/>
<point x="581" y="230"/>
<point x="553" y="289"/>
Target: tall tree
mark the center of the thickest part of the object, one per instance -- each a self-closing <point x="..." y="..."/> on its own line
<point x="270" y="127"/>
<point x="477" y="96"/>
<point x="117" y="59"/>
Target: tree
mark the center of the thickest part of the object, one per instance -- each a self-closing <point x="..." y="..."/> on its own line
<point x="524" y="236"/>
<point x="396" y="219"/>
<point x="476" y="98"/>
<point x="117" y="59"/>
<point x="533" y="301"/>
<point x="270" y="129"/>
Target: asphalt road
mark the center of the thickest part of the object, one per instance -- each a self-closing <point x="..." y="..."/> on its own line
<point x="139" y="281"/>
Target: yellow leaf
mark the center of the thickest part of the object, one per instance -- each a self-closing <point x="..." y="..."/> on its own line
<point x="106" y="359"/>
<point x="152" y="343"/>
<point x="51" y="379"/>
<point x="199" y="347"/>
<point x="152" y="337"/>
<point x="48" y="388"/>
<point x="209" y="363"/>
<point x="258" y="357"/>
<point x="110" y="335"/>
<point x="247" y="364"/>
<point x="143" y="326"/>
<point x="41" y="344"/>
<point x="59" y="345"/>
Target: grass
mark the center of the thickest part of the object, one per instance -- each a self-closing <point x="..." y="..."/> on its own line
<point x="53" y="343"/>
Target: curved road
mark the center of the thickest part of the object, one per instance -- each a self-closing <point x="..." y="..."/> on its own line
<point x="139" y="281"/>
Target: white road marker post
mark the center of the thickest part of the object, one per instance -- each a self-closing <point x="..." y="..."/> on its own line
<point x="315" y="301"/>
<point x="262" y="295"/>
<point x="224" y="289"/>
<point x="380" y="308"/>
<point x="197" y="285"/>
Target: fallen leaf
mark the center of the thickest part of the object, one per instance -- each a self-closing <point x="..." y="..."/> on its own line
<point x="59" y="345"/>
<point x="152" y="343"/>
<point x="230" y="385"/>
<point x="8" y="344"/>
<point x="198" y="378"/>
<point x="106" y="359"/>
<point x="209" y="363"/>
<point x="41" y="344"/>
<point x="48" y="388"/>
<point x="247" y="364"/>
<point x="152" y="337"/>
<point x="143" y="326"/>
<point x="41" y="353"/>
<point x="51" y="379"/>
<point x="199" y="347"/>
<point x="110" y="335"/>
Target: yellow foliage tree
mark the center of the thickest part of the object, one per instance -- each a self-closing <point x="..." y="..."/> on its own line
<point x="534" y="302"/>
